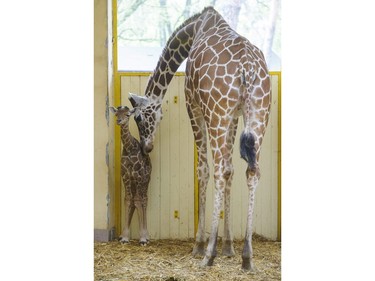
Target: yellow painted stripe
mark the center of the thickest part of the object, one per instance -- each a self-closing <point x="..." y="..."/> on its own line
<point x="117" y="140"/>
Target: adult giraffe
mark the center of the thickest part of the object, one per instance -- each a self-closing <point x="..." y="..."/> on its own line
<point x="226" y="76"/>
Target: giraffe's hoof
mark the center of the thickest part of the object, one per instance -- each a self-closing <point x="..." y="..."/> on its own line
<point x="247" y="265"/>
<point x="123" y="240"/>
<point x="228" y="250"/>
<point x="198" y="249"/>
<point x="207" y="261"/>
<point x="143" y="242"/>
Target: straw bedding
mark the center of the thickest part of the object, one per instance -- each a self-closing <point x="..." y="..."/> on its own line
<point x="172" y="260"/>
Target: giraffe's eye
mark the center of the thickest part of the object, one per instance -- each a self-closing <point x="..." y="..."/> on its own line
<point x="138" y="118"/>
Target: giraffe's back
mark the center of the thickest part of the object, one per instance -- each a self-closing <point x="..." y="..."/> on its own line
<point x="221" y="69"/>
<point x="213" y="72"/>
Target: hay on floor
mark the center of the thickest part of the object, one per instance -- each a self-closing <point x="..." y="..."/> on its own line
<point x="172" y="260"/>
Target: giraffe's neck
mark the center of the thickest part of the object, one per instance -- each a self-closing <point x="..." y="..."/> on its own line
<point x="126" y="138"/>
<point x="175" y="52"/>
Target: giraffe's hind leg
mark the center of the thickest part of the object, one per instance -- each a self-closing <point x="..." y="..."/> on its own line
<point x="141" y="217"/>
<point x="253" y="176"/>
<point x="255" y="115"/>
<point x="144" y="236"/>
<point x="199" y="129"/>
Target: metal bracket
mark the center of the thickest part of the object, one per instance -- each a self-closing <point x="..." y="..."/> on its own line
<point x="176" y="214"/>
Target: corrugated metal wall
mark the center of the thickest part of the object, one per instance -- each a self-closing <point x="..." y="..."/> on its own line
<point x="171" y="191"/>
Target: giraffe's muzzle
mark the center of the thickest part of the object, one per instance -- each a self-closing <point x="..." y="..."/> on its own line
<point x="147" y="148"/>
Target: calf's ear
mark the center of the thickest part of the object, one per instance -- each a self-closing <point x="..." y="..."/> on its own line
<point x="113" y="109"/>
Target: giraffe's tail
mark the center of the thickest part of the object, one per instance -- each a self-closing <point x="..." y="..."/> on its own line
<point x="247" y="149"/>
<point x="247" y="139"/>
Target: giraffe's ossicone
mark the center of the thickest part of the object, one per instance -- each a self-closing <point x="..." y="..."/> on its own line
<point x="226" y="77"/>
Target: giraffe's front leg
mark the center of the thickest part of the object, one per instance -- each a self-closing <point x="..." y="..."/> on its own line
<point x="129" y="211"/>
<point x="222" y="148"/>
<point x="211" y="251"/>
<point x="202" y="173"/>
<point x="228" y="249"/>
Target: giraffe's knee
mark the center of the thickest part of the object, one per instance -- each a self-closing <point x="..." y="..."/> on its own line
<point x="253" y="171"/>
<point x="137" y="203"/>
<point x="203" y="171"/>
<point x="224" y="172"/>
<point x="228" y="172"/>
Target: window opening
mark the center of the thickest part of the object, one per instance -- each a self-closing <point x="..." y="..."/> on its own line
<point x="144" y="27"/>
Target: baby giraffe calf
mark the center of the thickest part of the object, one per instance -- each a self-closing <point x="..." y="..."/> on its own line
<point x="135" y="173"/>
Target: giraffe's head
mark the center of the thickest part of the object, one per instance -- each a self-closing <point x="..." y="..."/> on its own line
<point x="147" y="115"/>
<point x="122" y="113"/>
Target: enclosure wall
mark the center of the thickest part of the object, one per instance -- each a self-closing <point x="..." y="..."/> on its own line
<point x="104" y="207"/>
<point x="171" y="193"/>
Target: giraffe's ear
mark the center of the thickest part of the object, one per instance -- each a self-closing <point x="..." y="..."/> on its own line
<point x="113" y="109"/>
<point x="138" y="101"/>
<point x="132" y="111"/>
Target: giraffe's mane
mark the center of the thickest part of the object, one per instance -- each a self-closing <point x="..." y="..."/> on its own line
<point x="185" y="23"/>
